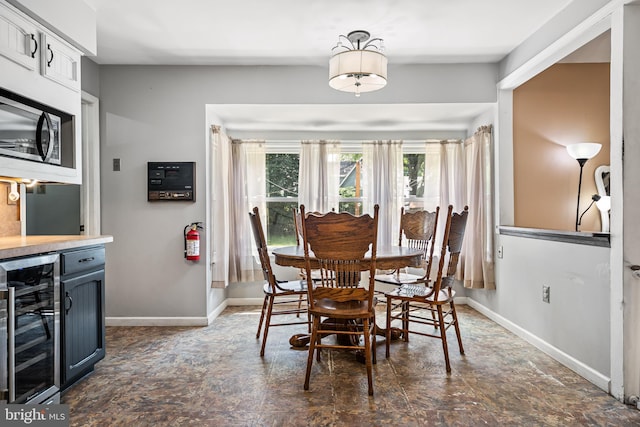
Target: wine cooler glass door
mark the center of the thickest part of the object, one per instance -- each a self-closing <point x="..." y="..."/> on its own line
<point x="32" y="328"/>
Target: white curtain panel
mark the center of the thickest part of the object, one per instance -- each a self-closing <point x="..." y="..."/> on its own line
<point x="445" y="180"/>
<point x="248" y="188"/>
<point x="319" y="176"/>
<point x="477" y="250"/>
<point x="383" y="184"/>
<point x="219" y="161"/>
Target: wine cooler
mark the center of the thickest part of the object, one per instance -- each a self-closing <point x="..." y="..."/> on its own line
<point x="30" y="330"/>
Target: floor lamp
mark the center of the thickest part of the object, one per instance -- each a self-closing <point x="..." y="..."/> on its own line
<point x="582" y="152"/>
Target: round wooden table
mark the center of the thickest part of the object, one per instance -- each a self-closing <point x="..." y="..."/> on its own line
<point x="387" y="258"/>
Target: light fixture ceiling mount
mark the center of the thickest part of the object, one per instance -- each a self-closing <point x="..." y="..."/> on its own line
<point x="359" y="65"/>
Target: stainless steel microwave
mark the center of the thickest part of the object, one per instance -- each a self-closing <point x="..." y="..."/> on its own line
<point x="28" y="131"/>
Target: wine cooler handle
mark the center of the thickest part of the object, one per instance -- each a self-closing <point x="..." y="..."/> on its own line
<point x="67" y="297"/>
<point x="11" y="335"/>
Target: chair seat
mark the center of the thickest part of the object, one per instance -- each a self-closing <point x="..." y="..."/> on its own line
<point x="398" y="279"/>
<point x="341" y="310"/>
<point x="283" y="288"/>
<point x="407" y="294"/>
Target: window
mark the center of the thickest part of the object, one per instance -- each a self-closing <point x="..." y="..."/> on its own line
<point x="413" y="180"/>
<point x="281" y="197"/>
<point x="350" y="183"/>
<point x="282" y="165"/>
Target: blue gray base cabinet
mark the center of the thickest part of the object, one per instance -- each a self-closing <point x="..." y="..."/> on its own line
<point x="82" y="312"/>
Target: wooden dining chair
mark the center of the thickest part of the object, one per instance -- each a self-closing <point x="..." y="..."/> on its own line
<point x="339" y="304"/>
<point x="410" y="303"/>
<point x="417" y="231"/>
<point x="297" y="221"/>
<point x="280" y="298"/>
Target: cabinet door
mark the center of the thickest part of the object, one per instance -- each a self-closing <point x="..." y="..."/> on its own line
<point x="18" y="39"/>
<point x="83" y="329"/>
<point x="60" y="62"/>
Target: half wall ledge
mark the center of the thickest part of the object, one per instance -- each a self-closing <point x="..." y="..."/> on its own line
<point x="589" y="238"/>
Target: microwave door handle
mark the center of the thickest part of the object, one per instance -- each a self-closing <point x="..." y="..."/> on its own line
<point x="44" y="118"/>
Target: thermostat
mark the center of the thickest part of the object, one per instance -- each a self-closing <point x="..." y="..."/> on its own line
<point x="171" y="181"/>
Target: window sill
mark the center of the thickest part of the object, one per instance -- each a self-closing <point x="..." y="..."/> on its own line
<point x="589" y="238"/>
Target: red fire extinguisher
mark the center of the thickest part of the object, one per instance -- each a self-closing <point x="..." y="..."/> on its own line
<point x="192" y="241"/>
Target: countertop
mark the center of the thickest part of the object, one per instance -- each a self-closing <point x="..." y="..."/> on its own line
<point x="16" y="246"/>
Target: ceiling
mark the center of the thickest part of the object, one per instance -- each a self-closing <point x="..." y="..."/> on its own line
<point x="249" y="32"/>
<point x="295" y="32"/>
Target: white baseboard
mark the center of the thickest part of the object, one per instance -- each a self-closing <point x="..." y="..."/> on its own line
<point x="244" y="301"/>
<point x="167" y="321"/>
<point x="215" y="313"/>
<point x="570" y="362"/>
<point x="156" y="321"/>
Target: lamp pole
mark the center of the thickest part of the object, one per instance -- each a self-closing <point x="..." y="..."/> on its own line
<point x="581" y="162"/>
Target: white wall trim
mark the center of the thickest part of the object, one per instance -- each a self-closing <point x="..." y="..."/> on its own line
<point x="90" y="192"/>
<point x="575" y="365"/>
<point x="244" y="301"/>
<point x="168" y="321"/>
<point x="581" y="34"/>
<point x="156" y="321"/>
<point x="215" y="313"/>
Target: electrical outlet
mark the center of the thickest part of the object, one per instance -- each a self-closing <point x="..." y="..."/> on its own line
<point x="546" y="294"/>
<point x="116" y="165"/>
<point x="500" y="252"/>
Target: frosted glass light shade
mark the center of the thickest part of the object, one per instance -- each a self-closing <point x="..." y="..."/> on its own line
<point x="583" y="150"/>
<point x="358" y="71"/>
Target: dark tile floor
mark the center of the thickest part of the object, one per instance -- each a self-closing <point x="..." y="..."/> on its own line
<point x="213" y="376"/>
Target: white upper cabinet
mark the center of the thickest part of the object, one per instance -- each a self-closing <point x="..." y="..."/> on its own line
<point x="59" y="62"/>
<point x="18" y="39"/>
<point x="39" y="65"/>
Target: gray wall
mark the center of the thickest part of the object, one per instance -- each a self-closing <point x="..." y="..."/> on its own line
<point x="90" y="77"/>
<point x="157" y="113"/>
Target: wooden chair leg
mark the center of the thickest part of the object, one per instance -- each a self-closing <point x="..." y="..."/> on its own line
<point x="266" y="325"/>
<point x="264" y="307"/>
<point x="443" y="337"/>
<point x="312" y="348"/>
<point x="406" y="307"/>
<point x="368" y="356"/>
<point x="455" y="325"/>
<point x="387" y="337"/>
<point x="299" y="306"/>
<point x="373" y="333"/>
<point x="318" y="335"/>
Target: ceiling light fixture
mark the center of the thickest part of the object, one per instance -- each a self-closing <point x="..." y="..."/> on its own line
<point x="358" y="66"/>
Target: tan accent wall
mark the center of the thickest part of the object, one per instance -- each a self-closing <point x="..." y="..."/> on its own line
<point x="565" y="104"/>
<point x="9" y="214"/>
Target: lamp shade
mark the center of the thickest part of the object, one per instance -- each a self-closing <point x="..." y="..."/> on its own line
<point x="358" y="71"/>
<point x="604" y="204"/>
<point x="583" y="150"/>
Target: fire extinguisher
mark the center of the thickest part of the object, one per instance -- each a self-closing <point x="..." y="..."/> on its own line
<point x="192" y="241"/>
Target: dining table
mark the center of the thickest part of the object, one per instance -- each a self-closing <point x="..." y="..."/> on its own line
<point x="387" y="258"/>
